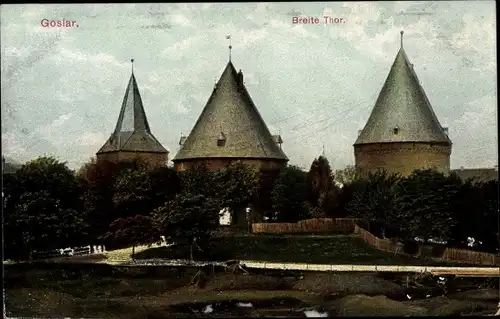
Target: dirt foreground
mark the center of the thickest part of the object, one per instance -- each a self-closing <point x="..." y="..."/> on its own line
<point x="109" y="292"/>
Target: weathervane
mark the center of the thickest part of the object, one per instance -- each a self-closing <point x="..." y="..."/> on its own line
<point x="230" y="46"/>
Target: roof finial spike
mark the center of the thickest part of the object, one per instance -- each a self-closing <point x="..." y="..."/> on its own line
<point x="230" y="46"/>
<point x="402" y="32"/>
<point x="132" y="60"/>
<point x="323" y="152"/>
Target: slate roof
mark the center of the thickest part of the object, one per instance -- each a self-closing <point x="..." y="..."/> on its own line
<point x="132" y="132"/>
<point x="402" y="112"/>
<point x="230" y="126"/>
<point x="477" y="174"/>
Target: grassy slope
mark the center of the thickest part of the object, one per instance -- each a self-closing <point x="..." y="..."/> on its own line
<point x="338" y="249"/>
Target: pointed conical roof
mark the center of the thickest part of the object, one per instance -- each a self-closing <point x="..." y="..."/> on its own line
<point x="230" y="126"/>
<point x="132" y="132"/>
<point x="402" y="112"/>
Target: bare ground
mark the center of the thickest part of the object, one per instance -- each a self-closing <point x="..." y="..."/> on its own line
<point x="93" y="293"/>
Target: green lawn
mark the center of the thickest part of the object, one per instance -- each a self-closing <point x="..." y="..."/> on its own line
<point x="338" y="249"/>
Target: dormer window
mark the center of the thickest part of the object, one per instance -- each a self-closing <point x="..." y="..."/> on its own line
<point x="221" y="140"/>
<point x="395" y="130"/>
<point x="182" y="140"/>
<point x="278" y="140"/>
<point x="240" y="80"/>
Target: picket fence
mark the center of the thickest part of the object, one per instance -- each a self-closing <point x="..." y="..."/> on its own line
<point x="76" y="251"/>
<point x="358" y="228"/>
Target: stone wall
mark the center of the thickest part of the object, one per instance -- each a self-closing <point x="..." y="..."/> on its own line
<point x="215" y="164"/>
<point x="402" y="158"/>
<point x="152" y="159"/>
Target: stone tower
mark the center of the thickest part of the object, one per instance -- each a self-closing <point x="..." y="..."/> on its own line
<point x="230" y="129"/>
<point x="132" y="138"/>
<point x="402" y="133"/>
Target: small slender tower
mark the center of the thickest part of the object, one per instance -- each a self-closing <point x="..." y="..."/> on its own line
<point x="132" y="138"/>
<point x="402" y="133"/>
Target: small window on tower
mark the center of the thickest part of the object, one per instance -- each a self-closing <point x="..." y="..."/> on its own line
<point x="221" y="140"/>
<point x="395" y="130"/>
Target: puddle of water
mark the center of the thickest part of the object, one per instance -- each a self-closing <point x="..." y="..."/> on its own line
<point x="315" y="314"/>
<point x="208" y="309"/>
<point x="215" y="307"/>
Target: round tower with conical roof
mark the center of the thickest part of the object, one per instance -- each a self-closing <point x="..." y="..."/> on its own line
<point x="230" y="129"/>
<point x="132" y="138"/>
<point x="402" y="133"/>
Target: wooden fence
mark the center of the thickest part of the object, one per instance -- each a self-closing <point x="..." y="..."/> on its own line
<point x="316" y="225"/>
<point x="470" y="256"/>
<point x="378" y="243"/>
<point x="358" y="228"/>
<point x="449" y="254"/>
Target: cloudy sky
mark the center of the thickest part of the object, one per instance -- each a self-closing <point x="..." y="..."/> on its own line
<point x="315" y="84"/>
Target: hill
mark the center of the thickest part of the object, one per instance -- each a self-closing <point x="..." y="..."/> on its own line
<point x="331" y="249"/>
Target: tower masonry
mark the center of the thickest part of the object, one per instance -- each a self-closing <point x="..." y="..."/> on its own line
<point x="402" y="133"/>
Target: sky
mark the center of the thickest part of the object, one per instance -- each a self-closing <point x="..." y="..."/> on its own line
<point x="315" y="84"/>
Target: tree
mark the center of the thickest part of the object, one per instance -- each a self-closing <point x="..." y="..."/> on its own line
<point x="289" y="194"/>
<point x="262" y="201"/>
<point x="344" y="196"/>
<point x="11" y="194"/>
<point x="42" y="207"/>
<point x="84" y="170"/>
<point x="467" y="212"/>
<point x="346" y="176"/>
<point x="133" y="231"/>
<point x="165" y="184"/>
<point x="98" y="182"/>
<point x="50" y="175"/>
<point x="321" y="189"/>
<point x="132" y="190"/>
<point x="425" y="202"/>
<point x="188" y="219"/>
<point x="235" y="186"/>
<point x="489" y="211"/>
<point x="374" y="200"/>
<point x="198" y="180"/>
<point x="44" y="224"/>
<point x="476" y="212"/>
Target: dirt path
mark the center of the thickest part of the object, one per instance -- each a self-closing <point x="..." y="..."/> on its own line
<point x="123" y="254"/>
